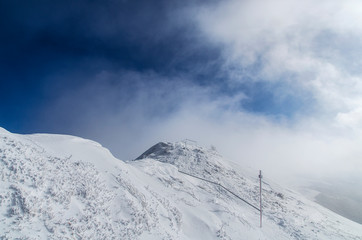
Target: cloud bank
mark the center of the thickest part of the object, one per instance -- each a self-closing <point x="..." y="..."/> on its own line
<point x="313" y="47"/>
<point x="276" y="85"/>
<point x="159" y="109"/>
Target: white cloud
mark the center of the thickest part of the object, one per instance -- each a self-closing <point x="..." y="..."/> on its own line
<point x="305" y="44"/>
<point x="312" y="44"/>
<point x="158" y="109"/>
<point x="351" y="119"/>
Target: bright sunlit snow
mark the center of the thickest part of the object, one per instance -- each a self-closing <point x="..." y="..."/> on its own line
<point x="65" y="187"/>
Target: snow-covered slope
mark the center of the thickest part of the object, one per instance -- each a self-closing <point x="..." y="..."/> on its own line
<point x="65" y="187"/>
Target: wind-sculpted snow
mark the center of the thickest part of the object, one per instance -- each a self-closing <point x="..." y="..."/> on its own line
<point x="49" y="197"/>
<point x="64" y="187"/>
<point x="285" y="210"/>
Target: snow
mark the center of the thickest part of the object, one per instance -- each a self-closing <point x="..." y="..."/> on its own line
<point x="66" y="187"/>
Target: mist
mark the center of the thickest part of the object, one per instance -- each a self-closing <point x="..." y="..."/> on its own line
<point x="129" y="122"/>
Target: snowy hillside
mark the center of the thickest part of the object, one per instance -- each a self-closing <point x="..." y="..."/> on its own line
<point x="65" y="187"/>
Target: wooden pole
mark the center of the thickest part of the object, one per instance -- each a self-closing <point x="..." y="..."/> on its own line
<point x="261" y="210"/>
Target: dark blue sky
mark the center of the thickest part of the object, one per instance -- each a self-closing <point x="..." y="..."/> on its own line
<point x="50" y="47"/>
<point x="77" y="67"/>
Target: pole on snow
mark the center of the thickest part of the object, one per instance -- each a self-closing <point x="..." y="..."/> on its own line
<point x="261" y="210"/>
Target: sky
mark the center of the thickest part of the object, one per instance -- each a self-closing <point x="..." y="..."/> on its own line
<point x="272" y="84"/>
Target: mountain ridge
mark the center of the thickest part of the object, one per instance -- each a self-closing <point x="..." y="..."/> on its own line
<point x="65" y="187"/>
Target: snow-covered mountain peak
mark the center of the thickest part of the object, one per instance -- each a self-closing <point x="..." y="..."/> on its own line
<point x="159" y="150"/>
<point x="167" y="151"/>
<point x="188" y="157"/>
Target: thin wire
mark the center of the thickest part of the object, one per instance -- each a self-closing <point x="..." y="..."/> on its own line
<point x="222" y="187"/>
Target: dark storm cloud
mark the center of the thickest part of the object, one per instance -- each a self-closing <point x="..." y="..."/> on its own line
<point x="51" y="46"/>
<point x="131" y="34"/>
<point x="48" y="47"/>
